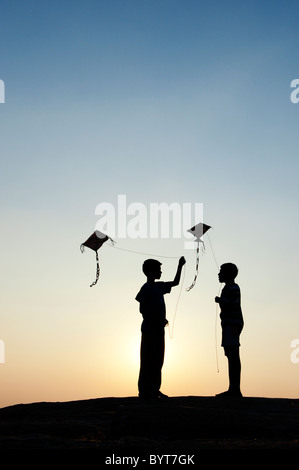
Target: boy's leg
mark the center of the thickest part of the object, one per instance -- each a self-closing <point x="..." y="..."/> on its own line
<point x="234" y="369"/>
<point x="234" y="372"/>
<point x="151" y="362"/>
<point x="159" y="360"/>
<point x="145" y="373"/>
<point x="231" y="343"/>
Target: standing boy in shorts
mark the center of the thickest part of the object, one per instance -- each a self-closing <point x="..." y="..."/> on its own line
<point x="232" y="325"/>
<point x="152" y="308"/>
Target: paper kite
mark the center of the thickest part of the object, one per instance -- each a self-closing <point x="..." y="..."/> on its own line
<point x="198" y="231"/>
<point x="94" y="242"/>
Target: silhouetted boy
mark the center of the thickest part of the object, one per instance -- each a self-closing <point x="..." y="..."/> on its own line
<point x="232" y="325"/>
<point x="152" y="308"/>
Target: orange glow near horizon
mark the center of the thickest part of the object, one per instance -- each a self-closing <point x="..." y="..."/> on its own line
<point x="96" y="365"/>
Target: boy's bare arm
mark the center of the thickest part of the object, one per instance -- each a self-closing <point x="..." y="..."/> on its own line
<point x="177" y="277"/>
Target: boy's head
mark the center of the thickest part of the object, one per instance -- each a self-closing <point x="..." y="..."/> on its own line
<point x="152" y="268"/>
<point x="228" y="272"/>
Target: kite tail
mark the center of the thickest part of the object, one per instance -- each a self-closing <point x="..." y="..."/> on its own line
<point x="98" y="271"/>
<point x="197" y="264"/>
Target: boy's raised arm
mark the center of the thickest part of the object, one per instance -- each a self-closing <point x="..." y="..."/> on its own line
<point x="177" y="277"/>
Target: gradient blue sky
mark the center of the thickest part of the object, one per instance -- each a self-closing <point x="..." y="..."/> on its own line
<point x="161" y="101"/>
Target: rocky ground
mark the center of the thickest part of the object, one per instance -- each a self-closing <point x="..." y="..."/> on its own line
<point x="130" y="426"/>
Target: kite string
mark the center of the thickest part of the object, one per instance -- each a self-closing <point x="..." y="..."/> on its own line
<point x="216" y="310"/>
<point x="216" y="340"/>
<point x="143" y="253"/>
<point x="176" y="307"/>
<point x="182" y="281"/>
<point x="212" y="251"/>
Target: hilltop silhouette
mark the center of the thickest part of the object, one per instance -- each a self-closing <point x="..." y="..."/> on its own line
<point x="180" y="424"/>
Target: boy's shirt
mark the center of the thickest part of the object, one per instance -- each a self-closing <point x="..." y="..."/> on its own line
<point x="152" y="304"/>
<point x="230" y="304"/>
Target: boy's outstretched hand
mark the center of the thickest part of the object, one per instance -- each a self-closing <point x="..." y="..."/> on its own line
<point x="182" y="261"/>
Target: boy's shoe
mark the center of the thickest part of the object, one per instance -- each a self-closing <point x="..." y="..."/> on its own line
<point x="229" y="394"/>
<point x="162" y="395"/>
<point x="148" y="396"/>
<point x="153" y="396"/>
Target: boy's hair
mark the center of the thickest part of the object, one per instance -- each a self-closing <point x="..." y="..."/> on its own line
<point x="150" y="265"/>
<point x="230" y="270"/>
